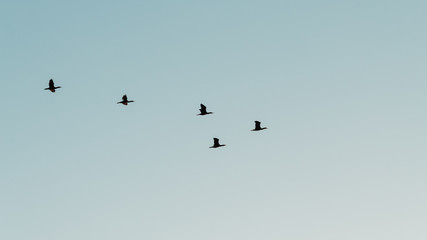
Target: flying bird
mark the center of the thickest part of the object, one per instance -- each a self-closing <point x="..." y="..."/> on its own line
<point x="258" y="126"/>
<point x="216" y="143"/>
<point x="203" y="110"/>
<point x="52" y="86"/>
<point x="125" y="100"/>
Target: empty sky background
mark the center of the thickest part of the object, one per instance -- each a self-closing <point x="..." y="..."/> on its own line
<point x="341" y="85"/>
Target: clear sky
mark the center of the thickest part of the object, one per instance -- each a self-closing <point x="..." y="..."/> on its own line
<point x="341" y="86"/>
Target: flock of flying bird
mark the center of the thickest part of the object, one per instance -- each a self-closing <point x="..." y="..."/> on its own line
<point x="202" y="110"/>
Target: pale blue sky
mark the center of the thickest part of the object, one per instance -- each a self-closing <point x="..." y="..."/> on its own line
<point x="340" y="85"/>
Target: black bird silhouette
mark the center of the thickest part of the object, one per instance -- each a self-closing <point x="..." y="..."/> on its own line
<point x="52" y="86"/>
<point x="125" y="100"/>
<point x="203" y="110"/>
<point x="216" y="143"/>
<point x="258" y="126"/>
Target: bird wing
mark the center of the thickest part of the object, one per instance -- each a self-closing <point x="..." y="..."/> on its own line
<point x="257" y="124"/>
<point x="125" y="98"/>
<point x="216" y="141"/>
<point x="51" y="84"/>
<point x="202" y="107"/>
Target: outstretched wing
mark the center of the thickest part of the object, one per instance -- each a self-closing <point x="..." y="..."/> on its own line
<point x="202" y="109"/>
<point x="51" y="84"/>
<point x="125" y="98"/>
<point x="216" y="141"/>
<point x="257" y="124"/>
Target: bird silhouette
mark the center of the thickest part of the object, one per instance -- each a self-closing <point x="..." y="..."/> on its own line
<point x="216" y="144"/>
<point x="258" y="126"/>
<point x="203" y="110"/>
<point x="52" y="86"/>
<point x="125" y="100"/>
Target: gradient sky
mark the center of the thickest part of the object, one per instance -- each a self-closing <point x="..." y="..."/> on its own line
<point x="341" y="85"/>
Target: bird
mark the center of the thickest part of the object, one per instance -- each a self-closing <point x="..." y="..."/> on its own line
<point x="125" y="100"/>
<point x="52" y="86"/>
<point x="258" y="126"/>
<point x="203" y="110"/>
<point x="216" y="144"/>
